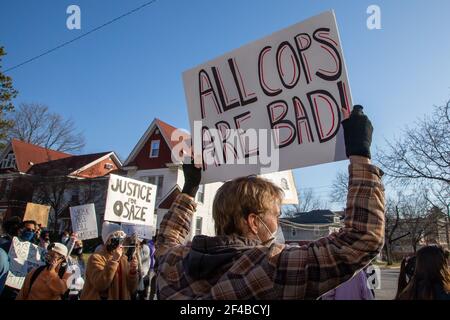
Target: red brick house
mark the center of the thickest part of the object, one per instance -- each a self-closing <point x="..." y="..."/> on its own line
<point x="30" y="173"/>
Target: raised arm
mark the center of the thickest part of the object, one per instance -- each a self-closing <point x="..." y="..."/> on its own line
<point x="312" y="270"/>
<point x="176" y="224"/>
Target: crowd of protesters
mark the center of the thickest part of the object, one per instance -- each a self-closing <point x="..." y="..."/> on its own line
<point x="244" y="260"/>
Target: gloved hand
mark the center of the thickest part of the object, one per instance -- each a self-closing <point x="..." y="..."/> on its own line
<point x="358" y="133"/>
<point x="192" y="177"/>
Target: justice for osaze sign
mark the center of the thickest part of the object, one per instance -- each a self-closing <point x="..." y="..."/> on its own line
<point x="289" y="88"/>
<point x="130" y="201"/>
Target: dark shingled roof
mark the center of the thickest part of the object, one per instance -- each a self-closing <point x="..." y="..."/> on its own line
<point x="313" y="217"/>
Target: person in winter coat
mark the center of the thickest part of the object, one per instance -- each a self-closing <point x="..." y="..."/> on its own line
<point x="109" y="276"/>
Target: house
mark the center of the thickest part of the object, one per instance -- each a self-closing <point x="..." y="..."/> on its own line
<point x="15" y="187"/>
<point x="151" y="161"/>
<point x="305" y="227"/>
<point x="30" y="173"/>
<point x="74" y="181"/>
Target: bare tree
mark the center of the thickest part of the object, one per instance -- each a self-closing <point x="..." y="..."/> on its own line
<point x="308" y="201"/>
<point x="34" y="123"/>
<point x="339" y="189"/>
<point x="423" y="153"/>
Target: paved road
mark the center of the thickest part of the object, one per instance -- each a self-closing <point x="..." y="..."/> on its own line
<point x="389" y="278"/>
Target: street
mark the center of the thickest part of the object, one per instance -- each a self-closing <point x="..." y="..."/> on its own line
<point x="389" y="278"/>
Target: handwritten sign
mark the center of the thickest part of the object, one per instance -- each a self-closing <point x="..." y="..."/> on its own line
<point x="284" y="180"/>
<point x="84" y="221"/>
<point x="37" y="212"/>
<point x="142" y="231"/>
<point x="130" y="201"/>
<point x="273" y="105"/>
<point x="23" y="257"/>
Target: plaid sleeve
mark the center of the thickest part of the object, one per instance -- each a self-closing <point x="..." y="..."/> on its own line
<point x="175" y="225"/>
<point x="309" y="271"/>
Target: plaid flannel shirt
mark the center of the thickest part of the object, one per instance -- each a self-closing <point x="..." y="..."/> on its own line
<point x="279" y="271"/>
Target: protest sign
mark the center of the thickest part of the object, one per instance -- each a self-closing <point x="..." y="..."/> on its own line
<point x="274" y="104"/>
<point x="284" y="180"/>
<point x="84" y="221"/>
<point x="130" y="201"/>
<point x="23" y="257"/>
<point x="37" y="212"/>
<point x="142" y="231"/>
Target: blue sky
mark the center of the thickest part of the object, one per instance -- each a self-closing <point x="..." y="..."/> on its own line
<point x="115" y="81"/>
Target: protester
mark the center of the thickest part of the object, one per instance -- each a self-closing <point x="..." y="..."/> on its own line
<point x="47" y="282"/>
<point x="354" y="289"/>
<point x="109" y="276"/>
<point x="4" y="268"/>
<point x="144" y="279"/>
<point x="65" y="237"/>
<point x="76" y="266"/>
<point x="242" y="262"/>
<point x="44" y="239"/>
<point x="430" y="278"/>
<point x="11" y="227"/>
<point x="26" y="232"/>
<point x="152" y="276"/>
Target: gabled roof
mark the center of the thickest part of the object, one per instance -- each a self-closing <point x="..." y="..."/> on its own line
<point x="72" y="165"/>
<point x="28" y="154"/>
<point x="166" y="131"/>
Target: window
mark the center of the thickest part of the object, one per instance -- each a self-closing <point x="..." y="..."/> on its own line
<point x="158" y="181"/>
<point x="198" y="226"/>
<point x="337" y="220"/>
<point x="201" y="194"/>
<point x="154" y="149"/>
<point x="294" y="232"/>
<point x="8" y="162"/>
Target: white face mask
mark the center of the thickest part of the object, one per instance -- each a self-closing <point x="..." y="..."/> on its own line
<point x="275" y="237"/>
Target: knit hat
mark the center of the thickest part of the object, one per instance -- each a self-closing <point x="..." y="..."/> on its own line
<point x="108" y="229"/>
<point x="59" y="248"/>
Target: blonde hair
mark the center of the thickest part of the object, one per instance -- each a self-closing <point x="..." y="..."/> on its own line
<point x="236" y="199"/>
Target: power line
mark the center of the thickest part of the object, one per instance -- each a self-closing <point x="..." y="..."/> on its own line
<point x="81" y="36"/>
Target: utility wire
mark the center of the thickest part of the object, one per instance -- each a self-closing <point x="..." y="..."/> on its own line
<point x="81" y="36"/>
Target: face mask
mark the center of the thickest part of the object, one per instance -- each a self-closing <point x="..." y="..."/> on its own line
<point x="28" y="235"/>
<point x="273" y="235"/>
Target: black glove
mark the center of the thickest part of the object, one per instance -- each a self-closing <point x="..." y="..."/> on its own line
<point x="358" y="133"/>
<point x="192" y="177"/>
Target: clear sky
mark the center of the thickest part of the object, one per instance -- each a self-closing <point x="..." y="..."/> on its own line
<point x="113" y="82"/>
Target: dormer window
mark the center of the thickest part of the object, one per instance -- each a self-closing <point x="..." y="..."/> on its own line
<point x="8" y="162"/>
<point x="154" y="149"/>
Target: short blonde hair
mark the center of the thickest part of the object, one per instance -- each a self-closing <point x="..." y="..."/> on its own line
<point x="236" y="199"/>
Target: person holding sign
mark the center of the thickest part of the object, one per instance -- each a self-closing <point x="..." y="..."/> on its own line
<point x="244" y="262"/>
<point x="48" y="282"/>
<point x="109" y="275"/>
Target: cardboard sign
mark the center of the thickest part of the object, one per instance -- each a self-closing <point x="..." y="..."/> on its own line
<point x="142" y="231"/>
<point x="284" y="180"/>
<point x="84" y="221"/>
<point x="38" y="213"/>
<point x="273" y="105"/>
<point x="23" y="257"/>
<point x="130" y="201"/>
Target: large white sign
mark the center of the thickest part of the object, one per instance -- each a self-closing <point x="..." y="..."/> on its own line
<point x="130" y="201"/>
<point x="23" y="257"/>
<point x="275" y="104"/>
<point x="84" y="221"/>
